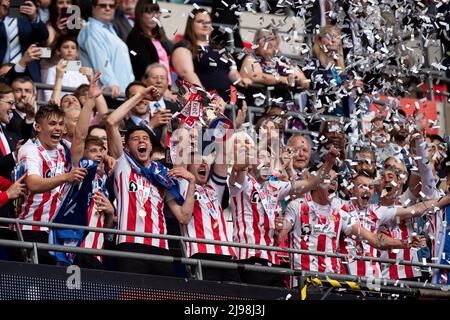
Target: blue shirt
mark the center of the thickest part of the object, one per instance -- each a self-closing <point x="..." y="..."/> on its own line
<point x="101" y="49"/>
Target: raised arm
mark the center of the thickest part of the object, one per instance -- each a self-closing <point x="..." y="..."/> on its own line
<point x="56" y="94"/>
<point x="183" y="64"/>
<point x="240" y="167"/>
<point x="302" y="186"/>
<point x="112" y="123"/>
<point x="81" y="130"/>
<point x="183" y="213"/>
<point x="420" y="208"/>
<point x="424" y="182"/>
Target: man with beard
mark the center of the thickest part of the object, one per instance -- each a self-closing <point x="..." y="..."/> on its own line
<point x="318" y="222"/>
<point x="400" y="129"/>
<point x="372" y="217"/>
<point x="208" y="220"/>
<point x="391" y="185"/>
<point x="365" y="162"/>
<point x="255" y="202"/>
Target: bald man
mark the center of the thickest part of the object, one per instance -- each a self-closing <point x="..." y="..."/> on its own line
<point x="302" y="147"/>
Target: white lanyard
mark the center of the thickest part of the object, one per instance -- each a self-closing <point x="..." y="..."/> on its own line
<point x="266" y="203"/>
<point x="209" y="204"/>
<point x="57" y="169"/>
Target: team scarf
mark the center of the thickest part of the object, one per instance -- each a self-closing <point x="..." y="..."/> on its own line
<point x="157" y="175"/>
<point x="73" y="210"/>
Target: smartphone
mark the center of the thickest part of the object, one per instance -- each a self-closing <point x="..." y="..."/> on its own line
<point x="46" y="53"/>
<point x="73" y="65"/>
<point x="65" y="13"/>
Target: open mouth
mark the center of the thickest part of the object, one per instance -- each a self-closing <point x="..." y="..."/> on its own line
<point x="365" y="197"/>
<point x="202" y="172"/>
<point x="388" y="188"/>
<point x="331" y="191"/>
<point x="142" y="149"/>
<point x="55" y="136"/>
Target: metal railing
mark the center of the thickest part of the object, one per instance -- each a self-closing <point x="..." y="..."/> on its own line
<point x="378" y="285"/>
<point x="216" y="242"/>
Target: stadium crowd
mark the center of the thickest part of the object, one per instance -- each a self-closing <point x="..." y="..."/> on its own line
<point x="173" y="156"/>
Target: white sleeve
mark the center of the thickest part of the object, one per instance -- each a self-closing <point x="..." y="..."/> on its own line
<point x="29" y="156"/>
<point x="407" y="198"/>
<point x="292" y="210"/>
<point x="347" y="221"/>
<point x="50" y="79"/>
<point x="386" y="215"/>
<point x="283" y="187"/>
<point x="121" y="164"/>
<point x="236" y="188"/>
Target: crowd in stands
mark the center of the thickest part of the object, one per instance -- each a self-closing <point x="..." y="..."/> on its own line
<point x="184" y="146"/>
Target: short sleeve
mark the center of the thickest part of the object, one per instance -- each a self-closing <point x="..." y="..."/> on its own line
<point x="237" y="188"/>
<point x="348" y="220"/>
<point x="30" y="158"/>
<point x="386" y="215"/>
<point x="293" y="210"/>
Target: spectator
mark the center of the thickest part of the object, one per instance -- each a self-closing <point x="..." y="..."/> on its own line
<point x="67" y="50"/>
<point x="43" y="10"/>
<point x="59" y="11"/>
<point x="267" y="68"/>
<point x="301" y="150"/>
<point x="31" y="30"/>
<point x="329" y="74"/>
<point x="196" y="59"/>
<point x="46" y="160"/>
<point x="9" y="139"/>
<point x="25" y="101"/>
<point x="125" y="19"/>
<point x="147" y="40"/>
<point x="101" y="49"/>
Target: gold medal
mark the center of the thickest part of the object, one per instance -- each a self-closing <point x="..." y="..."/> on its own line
<point x="142" y="213"/>
<point x="215" y="225"/>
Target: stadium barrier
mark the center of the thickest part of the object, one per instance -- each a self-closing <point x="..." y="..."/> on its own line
<point x="353" y="283"/>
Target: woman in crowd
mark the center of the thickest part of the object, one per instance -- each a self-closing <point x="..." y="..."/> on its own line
<point x="58" y="19"/>
<point x="147" y="41"/>
<point x="265" y="67"/>
<point x="330" y="75"/>
<point x="197" y="60"/>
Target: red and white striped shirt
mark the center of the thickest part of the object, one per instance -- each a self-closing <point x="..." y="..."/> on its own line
<point x="45" y="164"/>
<point x="95" y="240"/>
<point x="370" y="218"/>
<point x="318" y="228"/>
<point x="253" y="210"/>
<point x="140" y="205"/>
<point x="400" y="231"/>
<point x="208" y="221"/>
